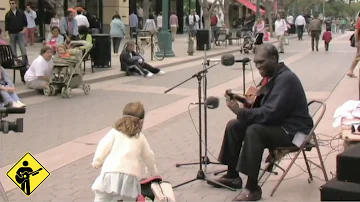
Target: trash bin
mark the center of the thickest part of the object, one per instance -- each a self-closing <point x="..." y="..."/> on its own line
<point x="202" y="39"/>
<point x="101" y="52"/>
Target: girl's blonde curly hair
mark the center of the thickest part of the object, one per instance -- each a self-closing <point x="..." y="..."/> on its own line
<point x="132" y="121"/>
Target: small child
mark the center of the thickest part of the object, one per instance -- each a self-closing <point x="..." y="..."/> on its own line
<point x="121" y="154"/>
<point x="327" y="38"/>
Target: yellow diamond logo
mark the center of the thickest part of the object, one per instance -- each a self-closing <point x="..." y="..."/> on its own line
<point x="28" y="174"/>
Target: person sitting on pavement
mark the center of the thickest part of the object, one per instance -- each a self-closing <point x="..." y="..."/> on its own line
<point x="121" y="154"/>
<point x="131" y="62"/>
<point x="7" y="91"/>
<point x="38" y="75"/>
<point x="54" y="39"/>
<point x="2" y="41"/>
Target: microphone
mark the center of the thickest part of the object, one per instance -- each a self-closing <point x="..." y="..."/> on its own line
<point x="12" y="110"/>
<point x="228" y="60"/>
<point x="211" y="102"/>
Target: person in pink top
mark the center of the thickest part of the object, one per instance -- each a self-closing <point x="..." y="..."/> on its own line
<point x="54" y="39"/>
<point x="174" y="24"/>
<point x="2" y="41"/>
<point x="259" y="30"/>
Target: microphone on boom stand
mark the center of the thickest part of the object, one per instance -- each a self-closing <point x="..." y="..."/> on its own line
<point x="212" y="103"/>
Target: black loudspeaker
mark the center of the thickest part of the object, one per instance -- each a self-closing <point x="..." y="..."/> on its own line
<point x="335" y="190"/>
<point x="202" y="39"/>
<point x="101" y="52"/>
<point x="348" y="165"/>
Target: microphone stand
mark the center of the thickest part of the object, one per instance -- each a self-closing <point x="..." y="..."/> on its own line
<point x="201" y="174"/>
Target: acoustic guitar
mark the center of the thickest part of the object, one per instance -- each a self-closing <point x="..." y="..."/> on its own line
<point x="26" y="175"/>
<point x="249" y="100"/>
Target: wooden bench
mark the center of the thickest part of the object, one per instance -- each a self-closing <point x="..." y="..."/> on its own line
<point x="9" y="61"/>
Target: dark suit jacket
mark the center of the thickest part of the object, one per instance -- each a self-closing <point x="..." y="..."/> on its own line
<point x="283" y="103"/>
<point x="126" y="60"/>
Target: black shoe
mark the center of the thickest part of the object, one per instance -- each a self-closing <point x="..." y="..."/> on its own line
<point x="246" y="195"/>
<point x="235" y="183"/>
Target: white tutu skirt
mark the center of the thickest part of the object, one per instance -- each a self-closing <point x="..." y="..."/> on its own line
<point x="118" y="184"/>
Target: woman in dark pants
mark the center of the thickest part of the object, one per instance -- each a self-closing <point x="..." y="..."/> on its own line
<point x="117" y="32"/>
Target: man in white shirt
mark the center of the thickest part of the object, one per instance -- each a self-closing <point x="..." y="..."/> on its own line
<point x="81" y="19"/>
<point x="290" y="19"/>
<point x="31" y="25"/>
<point x="280" y="29"/>
<point x="300" y="23"/>
<point x="38" y="75"/>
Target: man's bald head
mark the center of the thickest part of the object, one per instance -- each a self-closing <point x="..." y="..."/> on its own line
<point x="269" y="50"/>
<point x="266" y="59"/>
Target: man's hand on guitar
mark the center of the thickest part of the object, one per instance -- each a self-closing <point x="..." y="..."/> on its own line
<point x="233" y="105"/>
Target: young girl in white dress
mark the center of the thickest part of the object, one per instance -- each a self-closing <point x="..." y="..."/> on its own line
<point x="121" y="154"/>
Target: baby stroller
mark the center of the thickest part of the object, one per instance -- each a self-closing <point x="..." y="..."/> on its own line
<point x="248" y="43"/>
<point x="67" y="73"/>
<point x="154" y="189"/>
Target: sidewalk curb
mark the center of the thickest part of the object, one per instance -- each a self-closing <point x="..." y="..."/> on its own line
<point x="122" y="74"/>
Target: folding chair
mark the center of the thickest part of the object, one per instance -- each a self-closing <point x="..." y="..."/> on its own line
<point x="277" y="154"/>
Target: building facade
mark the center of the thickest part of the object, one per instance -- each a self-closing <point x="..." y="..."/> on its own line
<point x="4" y="7"/>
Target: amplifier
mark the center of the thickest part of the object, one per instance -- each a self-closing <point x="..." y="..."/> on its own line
<point x="335" y="190"/>
<point x="348" y="165"/>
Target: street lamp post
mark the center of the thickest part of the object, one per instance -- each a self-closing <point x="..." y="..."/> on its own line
<point x="165" y="39"/>
<point x="257" y="9"/>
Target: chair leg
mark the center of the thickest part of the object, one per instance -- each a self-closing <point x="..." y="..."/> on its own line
<point x="320" y="158"/>
<point x="14" y="75"/>
<point x="307" y="166"/>
<point x="219" y="172"/>
<point x="285" y="173"/>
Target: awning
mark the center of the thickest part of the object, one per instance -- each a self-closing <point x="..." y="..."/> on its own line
<point x="250" y="6"/>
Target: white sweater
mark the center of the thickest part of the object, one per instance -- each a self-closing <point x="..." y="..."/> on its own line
<point x="117" y="152"/>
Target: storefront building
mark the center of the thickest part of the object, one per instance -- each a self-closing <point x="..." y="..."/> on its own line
<point x="4" y="7"/>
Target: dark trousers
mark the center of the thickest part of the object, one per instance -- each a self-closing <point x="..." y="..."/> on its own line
<point x="251" y="141"/>
<point x="300" y="31"/>
<point x="133" y="32"/>
<point x="143" y="69"/>
<point x="116" y="43"/>
<point x="315" y="36"/>
<point x="326" y="46"/>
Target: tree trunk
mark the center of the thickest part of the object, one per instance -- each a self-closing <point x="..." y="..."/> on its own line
<point x="58" y="5"/>
<point x="146" y="9"/>
<point x="72" y="3"/>
<point x="224" y="6"/>
<point x="269" y="7"/>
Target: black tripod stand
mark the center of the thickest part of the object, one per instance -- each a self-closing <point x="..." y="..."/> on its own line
<point x="201" y="174"/>
<point x="204" y="159"/>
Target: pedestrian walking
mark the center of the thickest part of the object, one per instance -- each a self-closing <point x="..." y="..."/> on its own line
<point x="327" y="37"/>
<point x="117" y="33"/>
<point x="31" y="25"/>
<point x="315" y="28"/>
<point x="280" y="29"/>
<point x="300" y="23"/>
<point x="357" y="45"/>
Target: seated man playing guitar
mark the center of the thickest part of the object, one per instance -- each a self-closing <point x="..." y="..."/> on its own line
<point x="280" y="113"/>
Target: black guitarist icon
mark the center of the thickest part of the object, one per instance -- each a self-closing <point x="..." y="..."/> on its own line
<point x="23" y="177"/>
